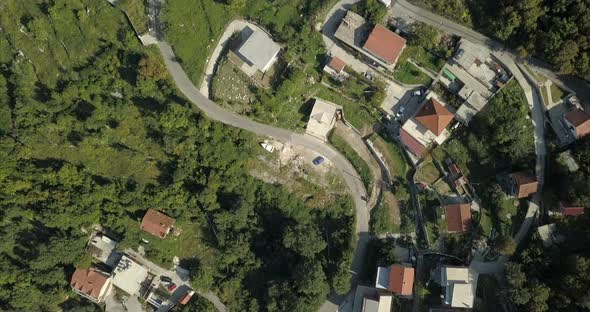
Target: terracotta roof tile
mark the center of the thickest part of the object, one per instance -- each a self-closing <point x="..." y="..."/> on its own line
<point x="458" y="217"/>
<point x="412" y="144"/>
<point x="570" y="210"/>
<point x="336" y="64"/>
<point x="580" y="120"/>
<point x="385" y="44"/>
<point x="401" y="280"/>
<point x="526" y="184"/>
<point x="89" y="281"/>
<point x="434" y="116"/>
<point x="157" y="223"/>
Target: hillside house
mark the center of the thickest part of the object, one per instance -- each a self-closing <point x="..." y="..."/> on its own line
<point x="157" y="223"/>
<point x="91" y="284"/>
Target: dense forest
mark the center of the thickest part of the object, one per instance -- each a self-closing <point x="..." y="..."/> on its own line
<point x="500" y="138"/>
<point x="556" y="278"/>
<point x="556" y="30"/>
<point x="572" y="187"/>
<point x="92" y="131"/>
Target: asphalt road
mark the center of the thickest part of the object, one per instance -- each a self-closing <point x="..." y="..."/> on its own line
<point x="406" y="11"/>
<point x="351" y="177"/>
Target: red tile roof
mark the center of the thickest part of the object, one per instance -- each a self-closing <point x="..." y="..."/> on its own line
<point x="401" y="280"/>
<point x="336" y="64"/>
<point x="412" y="144"/>
<point x="434" y="116"/>
<point x="385" y="44"/>
<point x="571" y="210"/>
<point x="458" y="217"/>
<point x="580" y="120"/>
<point x="526" y="184"/>
<point x="157" y="223"/>
<point x="454" y="169"/>
<point x="89" y="281"/>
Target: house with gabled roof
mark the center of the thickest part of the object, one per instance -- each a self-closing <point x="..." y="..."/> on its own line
<point x="384" y="45"/>
<point x="434" y="116"/>
<point x="568" y="209"/>
<point x="397" y="278"/>
<point x="322" y="118"/>
<point x="428" y="126"/>
<point x="523" y="184"/>
<point x="458" y="217"/>
<point x="91" y="284"/>
<point x="578" y="122"/>
<point x="157" y="223"/>
<point x="459" y="285"/>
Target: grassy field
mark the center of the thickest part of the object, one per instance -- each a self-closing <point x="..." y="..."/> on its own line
<point x="392" y="153"/>
<point x="486" y="221"/>
<point x="429" y="204"/>
<point x="231" y="86"/>
<point x="193" y="28"/>
<point x="423" y="58"/>
<point x="383" y="219"/>
<point x="137" y="13"/>
<point x="357" y="162"/>
<point x="557" y="93"/>
<point x="427" y="173"/>
<point x="409" y="74"/>
<point x="358" y="114"/>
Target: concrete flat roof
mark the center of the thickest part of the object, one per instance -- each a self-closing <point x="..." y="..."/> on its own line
<point x="259" y="50"/>
<point x="353" y="30"/>
<point x="128" y="275"/>
<point x="322" y="118"/>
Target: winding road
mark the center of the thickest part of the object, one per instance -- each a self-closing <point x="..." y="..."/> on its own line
<point x="351" y="177"/>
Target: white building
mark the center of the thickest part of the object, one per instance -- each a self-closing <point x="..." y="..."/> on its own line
<point x="459" y="286"/>
<point x="129" y="275"/>
<point x="322" y="118"/>
<point x="258" y="50"/>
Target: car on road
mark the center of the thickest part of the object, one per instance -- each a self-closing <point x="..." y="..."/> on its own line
<point x="417" y="93"/>
<point x="318" y="160"/>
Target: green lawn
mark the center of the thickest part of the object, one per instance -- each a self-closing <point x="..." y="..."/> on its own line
<point x="429" y="204"/>
<point x="137" y="13"/>
<point x="557" y="93"/>
<point x="427" y="173"/>
<point x="357" y="162"/>
<point x="392" y="153"/>
<point x="358" y="114"/>
<point x="193" y="28"/>
<point x="409" y="74"/>
<point x="383" y="219"/>
<point x="423" y="58"/>
<point x="545" y="95"/>
<point x="486" y="221"/>
<point x="231" y="86"/>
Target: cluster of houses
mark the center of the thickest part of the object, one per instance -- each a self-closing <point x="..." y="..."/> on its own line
<point x="474" y="75"/>
<point x="379" y="45"/>
<point x="458" y="285"/>
<point x="129" y="272"/>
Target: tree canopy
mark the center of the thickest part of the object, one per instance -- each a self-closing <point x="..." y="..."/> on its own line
<point x="93" y="132"/>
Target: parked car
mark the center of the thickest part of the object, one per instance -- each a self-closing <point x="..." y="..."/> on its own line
<point x="369" y="76"/>
<point x="171" y="287"/>
<point x="417" y="93"/>
<point x="318" y="160"/>
<point x="165" y="278"/>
